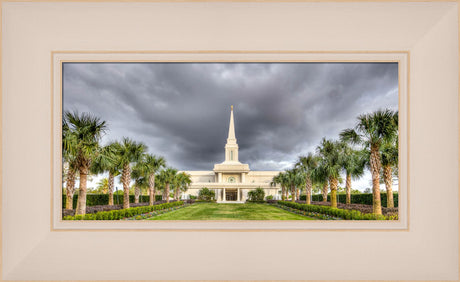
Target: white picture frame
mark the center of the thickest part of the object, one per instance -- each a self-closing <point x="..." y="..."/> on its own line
<point x="35" y="32"/>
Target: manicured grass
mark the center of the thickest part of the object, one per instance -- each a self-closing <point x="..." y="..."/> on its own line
<point x="213" y="211"/>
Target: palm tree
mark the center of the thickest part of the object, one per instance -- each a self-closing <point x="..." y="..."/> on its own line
<point x="69" y="166"/>
<point x="128" y="152"/>
<point x="108" y="161"/>
<point x="307" y="164"/>
<point x="295" y="179"/>
<point x="319" y="176"/>
<point x="150" y="165"/>
<point x="389" y="153"/>
<point x="140" y="184"/>
<point x="372" y="131"/>
<point x="277" y="179"/>
<point x="159" y="185"/>
<point x="139" y="181"/>
<point x="81" y="140"/>
<point x="103" y="186"/>
<point x="167" y="176"/>
<point x="353" y="164"/>
<point x="331" y="160"/>
<point x="70" y="178"/>
<point x="181" y="183"/>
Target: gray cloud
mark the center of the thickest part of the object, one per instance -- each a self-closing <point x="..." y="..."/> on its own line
<point x="181" y="110"/>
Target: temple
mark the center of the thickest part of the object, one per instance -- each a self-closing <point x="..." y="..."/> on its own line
<point x="232" y="180"/>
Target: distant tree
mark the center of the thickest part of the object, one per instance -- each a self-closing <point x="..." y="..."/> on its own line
<point x="353" y="164"/>
<point x="128" y="152"/>
<point x="331" y="163"/>
<point x="103" y="186"/>
<point x="389" y="154"/>
<point x="256" y="195"/>
<point x="107" y="161"/>
<point x="181" y="184"/>
<point x="307" y="165"/>
<point x="167" y="176"/>
<point x="206" y="194"/>
<point x="150" y="165"/>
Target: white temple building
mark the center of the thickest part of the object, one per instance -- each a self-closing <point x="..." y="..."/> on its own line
<point x="232" y="180"/>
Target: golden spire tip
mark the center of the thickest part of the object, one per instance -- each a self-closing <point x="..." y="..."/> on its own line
<point x="231" y="107"/>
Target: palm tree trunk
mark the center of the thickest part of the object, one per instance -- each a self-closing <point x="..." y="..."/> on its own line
<point x="388" y="185"/>
<point x="111" y="184"/>
<point x="126" y="178"/>
<point x="293" y="193"/>
<point x="70" y="188"/>
<point x="82" y="191"/>
<point x="297" y="194"/>
<point x="334" y="183"/>
<point x="348" y="186"/>
<point x="176" y="193"/>
<point x="152" y="189"/>
<point x="167" y="192"/>
<point x="375" y="171"/>
<point x="137" y="192"/>
<point x="308" y="191"/>
<point x="325" y="192"/>
<point x="283" y="192"/>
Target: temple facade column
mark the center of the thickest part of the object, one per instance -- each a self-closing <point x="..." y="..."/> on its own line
<point x="223" y="196"/>
<point x="243" y="177"/>
<point x="238" y="194"/>
<point x="219" y="177"/>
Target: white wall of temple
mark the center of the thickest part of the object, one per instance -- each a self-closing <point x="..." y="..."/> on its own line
<point x="202" y="176"/>
<point x="250" y="177"/>
<point x="273" y="191"/>
<point x="260" y="176"/>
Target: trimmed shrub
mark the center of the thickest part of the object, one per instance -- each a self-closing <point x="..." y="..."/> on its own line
<point x="256" y="195"/>
<point x="120" y="214"/>
<point x="103" y="199"/>
<point x="339" y="213"/>
<point x="206" y="195"/>
<point x="365" y="199"/>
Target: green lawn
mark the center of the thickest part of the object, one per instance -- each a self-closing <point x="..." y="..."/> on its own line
<point x="213" y="211"/>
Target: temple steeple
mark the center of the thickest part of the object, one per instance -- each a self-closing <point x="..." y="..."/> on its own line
<point x="231" y="148"/>
<point x="231" y="129"/>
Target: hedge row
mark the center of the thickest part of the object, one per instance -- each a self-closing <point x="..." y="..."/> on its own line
<point x="365" y="199"/>
<point x="103" y="199"/>
<point x="340" y="213"/>
<point x="120" y="214"/>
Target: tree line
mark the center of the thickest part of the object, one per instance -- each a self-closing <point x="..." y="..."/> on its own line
<point x="83" y="155"/>
<point x="372" y="144"/>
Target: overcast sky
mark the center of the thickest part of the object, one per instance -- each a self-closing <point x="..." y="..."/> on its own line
<point x="181" y="110"/>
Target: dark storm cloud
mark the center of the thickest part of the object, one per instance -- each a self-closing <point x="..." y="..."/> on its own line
<point x="181" y="110"/>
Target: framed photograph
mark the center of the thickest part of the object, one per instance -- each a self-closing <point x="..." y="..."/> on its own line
<point x="263" y="141"/>
<point x="230" y="182"/>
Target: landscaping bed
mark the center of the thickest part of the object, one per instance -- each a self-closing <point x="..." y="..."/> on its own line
<point x="357" y="207"/>
<point x="336" y="212"/>
<point x="99" y="208"/>
<point x="124" y="213"/>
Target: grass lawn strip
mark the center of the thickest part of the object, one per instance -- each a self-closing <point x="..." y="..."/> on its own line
<point x="213" y="211"/>
<point x="155" y="213"/>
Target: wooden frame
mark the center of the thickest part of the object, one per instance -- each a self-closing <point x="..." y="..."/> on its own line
<point x="30" y="250"/>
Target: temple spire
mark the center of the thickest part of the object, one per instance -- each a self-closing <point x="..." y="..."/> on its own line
<point x="231" y="148"/>
<point x="231" y="129"/>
